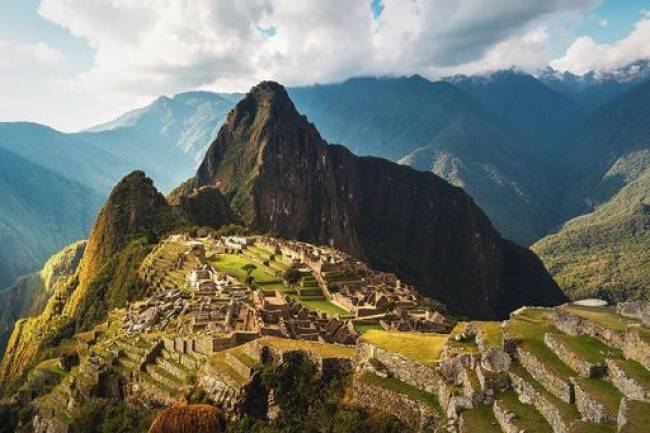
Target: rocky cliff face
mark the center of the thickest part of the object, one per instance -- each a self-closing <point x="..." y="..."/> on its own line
<point x="281" y="177"/>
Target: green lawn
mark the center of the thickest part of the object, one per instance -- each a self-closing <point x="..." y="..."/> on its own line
<point x="492" y="331"/>
<point x="363" y="328"/>
<point x="232" y="264"/>
<point x="321" y="305"/>
<point x="423" y="348"/>
<point x="601" y="315"/>
<point x="402" y="388"/>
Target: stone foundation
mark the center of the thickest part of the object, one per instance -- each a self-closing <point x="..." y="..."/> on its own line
<point x="575" y="325"/>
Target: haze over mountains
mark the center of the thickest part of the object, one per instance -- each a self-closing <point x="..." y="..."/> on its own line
<point x="520" y="146"/>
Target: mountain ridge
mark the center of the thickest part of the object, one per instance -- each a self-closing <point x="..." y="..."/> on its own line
<point x="282" y="177"/>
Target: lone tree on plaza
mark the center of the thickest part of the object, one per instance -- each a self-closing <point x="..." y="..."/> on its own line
<point x="249" y="268"/>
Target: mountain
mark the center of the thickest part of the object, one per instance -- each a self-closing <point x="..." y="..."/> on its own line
<point x="167" y="138"/>
<point x="41" y="211"/>
<point x="605" y="251"/>
<point x="594" y="89"/>
<point x="28" y="296"/>
<point x="542" y="118"/>
<point x="281" y="177"/>
<point x="127" y="227"/>
<point x="434" y="126"/>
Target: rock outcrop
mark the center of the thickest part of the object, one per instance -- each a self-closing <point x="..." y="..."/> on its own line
<point x="281" y="177"/>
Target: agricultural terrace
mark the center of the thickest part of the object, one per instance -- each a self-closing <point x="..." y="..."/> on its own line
<point x="423" y="348"/>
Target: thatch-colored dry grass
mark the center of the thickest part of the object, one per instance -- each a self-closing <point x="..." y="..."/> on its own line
<point x="189" y="418"/>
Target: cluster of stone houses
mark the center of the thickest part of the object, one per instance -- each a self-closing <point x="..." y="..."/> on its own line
<point x="217" y="310"/>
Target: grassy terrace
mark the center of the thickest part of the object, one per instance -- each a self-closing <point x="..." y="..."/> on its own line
<point x="588" y="348"/>
<point x="527" y="417"/>
<point x="321" y="305"/>
<point x="568" y="412"/>
<point x="590" y="427"/>
<point x="363" y="328"/>
<point x="232" y="264"/>
<point x="531" y="326"/>
<point x="492" y="331"/>
<point x="600" y="315"/>
<point x="480" y="420"/>
<point x="638" y="417"/>
<point x="423" y="348"/>
<point x="635" y="371"/>
<point x="454" y="346"/>
<point x="400" y="387"/>
<point x="602" y="391"/>
<point x="324" y="350"/>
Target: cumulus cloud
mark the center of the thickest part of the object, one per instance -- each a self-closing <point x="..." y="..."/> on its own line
<point x="147" y="47"/>
<point x="585" y="55"/>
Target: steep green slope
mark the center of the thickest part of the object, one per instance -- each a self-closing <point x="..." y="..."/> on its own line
<point x="132" y="220"/>
<point x="28" y="296"/>
<point x="607" y="251"/>
<point x="41" y="212"/>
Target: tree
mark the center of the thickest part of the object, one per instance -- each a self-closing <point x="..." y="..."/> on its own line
<point x="249" y="268"/>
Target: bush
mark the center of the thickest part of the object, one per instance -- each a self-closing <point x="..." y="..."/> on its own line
<point x="291" y="275"/>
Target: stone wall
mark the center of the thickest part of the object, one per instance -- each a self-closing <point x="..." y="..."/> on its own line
<point x="413" y="413"/>
<point x="631" y="415"/>
<point x="636" y="348"/>
<point x="575" y="325"/>
<point x="639" y="310"/>
<point x="546" y="407"/>
<point x="590" y="408"/>
<point x="581" y="366"/>
<point x="558" y="386"/>
<point x="405" y="369"/>
<point x="504" y="418"/>
<point x="627" y="385"/>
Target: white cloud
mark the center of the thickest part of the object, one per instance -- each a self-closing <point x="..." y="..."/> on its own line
<point x="585" y="55"/>
<point x="40" y="53"/>
<point x="144" y="48"/>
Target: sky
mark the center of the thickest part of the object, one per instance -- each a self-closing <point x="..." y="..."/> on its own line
<point x="71" y="64"/>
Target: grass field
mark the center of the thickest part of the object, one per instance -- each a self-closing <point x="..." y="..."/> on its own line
<point x="321" y="305"/>
<point x="232" y="264"/>
<point x="363" y="328"/>
<point x="588" y="348"/>
<point x="423" y="348"/>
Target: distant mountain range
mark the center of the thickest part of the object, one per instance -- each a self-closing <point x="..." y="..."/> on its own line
<point x="533" y="152"/>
